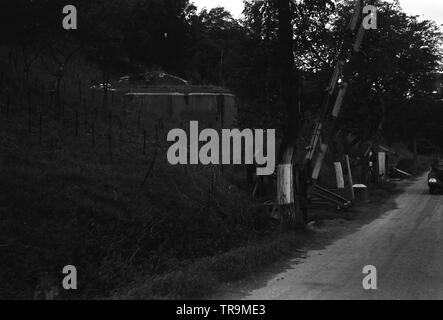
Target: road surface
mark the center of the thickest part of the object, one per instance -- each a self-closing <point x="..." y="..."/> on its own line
<point x="404" y="244"/>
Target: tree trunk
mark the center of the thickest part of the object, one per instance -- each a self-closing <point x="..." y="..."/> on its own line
<point x="291" y="212"/>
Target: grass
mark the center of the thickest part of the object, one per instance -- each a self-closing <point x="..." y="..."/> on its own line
<point x="71" y="205"/>
<point x="205" y="277"/>
<point x="65" y="200"/>
<point x="202" y="278"/>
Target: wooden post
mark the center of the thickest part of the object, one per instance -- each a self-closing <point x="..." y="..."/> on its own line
<point x="335" y="76"/>
<point x="138" y="119"/>
<point x="285" y="195"/>
<point x="144" y="141"/>
<point x="8" y="102"/>
<point x="351" y="181"/>
<point x="339" y="175"/>
<point x="110" y="146"/>
<point x="359" y="40"/>
<point x="319" y="163"/>
<point x="85" y="111"/>
<point x="29" y="117"/>
<point x="80" y="89"/>
<point x="339" y="101"/>
<point x="110" y="117"/>
<point x="381" y="166"/>
<point x="314" y="141"/>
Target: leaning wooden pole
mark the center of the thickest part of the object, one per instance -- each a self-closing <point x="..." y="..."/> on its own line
<point x="327" y="124"/>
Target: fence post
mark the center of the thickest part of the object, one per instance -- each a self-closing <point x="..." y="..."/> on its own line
<point x="138" y="119"/>
<point x="144" y="141"/>
<point x="381" y="167"/>
<point x="85" y="109"/>
<point x="339" y="175"/>
<point x="110" y="145"/>
<point x="351" y="181"/>
<point x="285" y="195"/>
<point x="8" y="102"/>
<point x="80" y="89"/>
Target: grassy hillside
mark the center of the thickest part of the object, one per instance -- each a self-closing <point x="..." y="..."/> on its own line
<point x="79" y="185"/>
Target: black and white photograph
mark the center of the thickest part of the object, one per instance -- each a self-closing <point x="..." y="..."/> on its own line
<point x="221" y="155"/>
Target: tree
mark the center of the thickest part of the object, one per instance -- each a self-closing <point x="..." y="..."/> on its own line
<point x="293" y="214"/>
<point x="215" y="48"/>
<point x="392" y="88"/>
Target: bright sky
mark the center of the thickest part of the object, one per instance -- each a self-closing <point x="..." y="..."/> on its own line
<point x="429" y="9"/>
<point x="234" y="6"/>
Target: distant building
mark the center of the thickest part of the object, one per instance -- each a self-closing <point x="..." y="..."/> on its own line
<point x="167" y="97"/>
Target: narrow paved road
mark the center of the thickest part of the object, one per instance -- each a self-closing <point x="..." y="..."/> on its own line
<point x="404" y="244"/>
